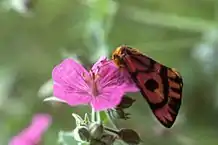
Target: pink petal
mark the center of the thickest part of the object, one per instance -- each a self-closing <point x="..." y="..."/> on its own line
<point x="70" y="96"/>
<point x="111" y="76"/>
<point x="128" y="85"/>
<point x="110" y="98"/>
<point x="70" y="73"/>
<point x="101" y="61"/>
<point x="32" y="134"/>
<point x="40" y="124"/>
<point x="69" y="83"/>
<point x="108" y="73"/>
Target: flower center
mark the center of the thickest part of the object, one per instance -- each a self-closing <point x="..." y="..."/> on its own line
<point x="91" y="80"/>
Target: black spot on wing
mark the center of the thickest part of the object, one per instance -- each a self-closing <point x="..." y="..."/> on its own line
<point x="151" y="85"/>
<point x="148" y="66"/>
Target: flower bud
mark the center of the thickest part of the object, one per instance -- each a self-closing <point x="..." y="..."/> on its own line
<point x="81" y="134"/>
<point x="129" y="136"/>
<point x="96" y="130"/>
<point x="126" y="102"/>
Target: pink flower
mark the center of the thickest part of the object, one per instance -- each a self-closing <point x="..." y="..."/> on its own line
<point x="102" y="87"/>
<point x="32" y="134"/>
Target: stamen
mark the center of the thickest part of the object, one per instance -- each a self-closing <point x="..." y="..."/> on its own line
<point x="91" y="81"/>
<point x="86" y="78"/>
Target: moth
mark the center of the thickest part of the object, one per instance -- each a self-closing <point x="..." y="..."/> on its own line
<point x="160" y="85"/>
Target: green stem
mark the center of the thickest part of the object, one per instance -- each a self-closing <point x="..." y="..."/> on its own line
<point x="113" y="123"/>
<point x="93" y="115"/>
<point x="111" y="120"/>
<point x="111" y="130"/>
<point x="98" y="117"/>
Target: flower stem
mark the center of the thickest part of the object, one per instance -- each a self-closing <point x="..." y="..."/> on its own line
<point x="111" y="130"/>
<point x="98" y="117"/>
<point x="113" y="123"/>
<point x="111" y="120"/>
<point x="93" y="115"/>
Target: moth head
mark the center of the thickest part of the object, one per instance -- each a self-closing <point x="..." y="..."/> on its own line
<point x="121" y="52"/>
<point x="118" y="56"/>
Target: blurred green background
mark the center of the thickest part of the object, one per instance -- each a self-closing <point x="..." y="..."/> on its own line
<point x="35" y="35"/>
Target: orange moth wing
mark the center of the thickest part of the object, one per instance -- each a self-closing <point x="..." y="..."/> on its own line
<point x="160" y="85"/>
